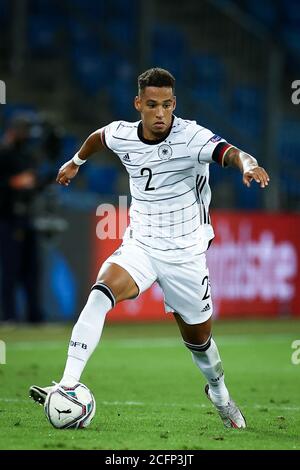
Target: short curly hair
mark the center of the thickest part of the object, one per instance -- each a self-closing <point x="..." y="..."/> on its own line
<point x="156" y="77"/>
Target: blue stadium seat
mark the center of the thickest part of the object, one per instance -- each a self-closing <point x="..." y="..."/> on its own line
<point x="161" y="58"/>
<point x="247" y="109"/>
<point x="82" y="36"/>
<point x="169" y="38"/>
<point x="121" y="32"/>
<point x="246" y="198"/>
<point x="45" y="8"/>
<point x="5" y="10"/>
<point x="122" y="88"/>
<point x="289" y="141"/>
<point x="127" y="10"/>
<point x="291" y="11"/>
<point x="291" y="38"/>
<point x="247" y="123"/>
<point x="42" y="34"/>
<point x="210" y="95"/>
<point x="265" y="11"/>
<point x="91" y="71"/>
<point x="121" y="99"/>
<point x="165" y="40"/>
<point x="288" y="151"/>
<point x="249" y="97"/>
<point x="90" y="9"/>
<point x="208" y="78"/>
<point x="101" y="179"/>
<point x="70" y="145"/>
<point x="208" y="67"/>
<point x="122" y="69"/>
<point x="216" y="174"/>
<point x="10" y="110"/>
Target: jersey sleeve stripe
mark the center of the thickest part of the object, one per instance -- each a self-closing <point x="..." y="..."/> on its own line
<point x="201" y="148"/>
<point x="220" y="152"/>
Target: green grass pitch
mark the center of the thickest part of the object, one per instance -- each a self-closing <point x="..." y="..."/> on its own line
<point x="149" y="394"/>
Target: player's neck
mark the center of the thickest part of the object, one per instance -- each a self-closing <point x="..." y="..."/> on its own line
<point x="149" y="137"/>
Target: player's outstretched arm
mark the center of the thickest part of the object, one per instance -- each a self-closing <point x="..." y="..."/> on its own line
<point x="248" y="166"/>
<point x="70" y="169"/>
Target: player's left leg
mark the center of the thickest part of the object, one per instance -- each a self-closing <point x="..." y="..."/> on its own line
<point x="186" y="289"/>
<point x="206" y="356"/>
<point x="198" y="339"/>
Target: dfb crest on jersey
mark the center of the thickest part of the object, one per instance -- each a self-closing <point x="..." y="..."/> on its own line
<point x="165" y="152"/>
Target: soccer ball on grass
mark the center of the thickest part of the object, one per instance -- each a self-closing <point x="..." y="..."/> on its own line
<point x="70" y="407"/>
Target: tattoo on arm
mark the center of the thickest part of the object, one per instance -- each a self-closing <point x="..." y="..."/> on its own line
<point x="238" y="159"/>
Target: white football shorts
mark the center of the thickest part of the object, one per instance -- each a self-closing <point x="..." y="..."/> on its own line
<point x="185" y="286"/>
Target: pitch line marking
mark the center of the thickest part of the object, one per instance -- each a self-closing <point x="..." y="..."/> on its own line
<point x="167" y="405"/>
<point x="152" y="342"/>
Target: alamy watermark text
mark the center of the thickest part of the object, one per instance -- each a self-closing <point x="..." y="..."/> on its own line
<point x="296" y="94"/>
<point x="2" y="92"/>
<point x="295" y="358"/>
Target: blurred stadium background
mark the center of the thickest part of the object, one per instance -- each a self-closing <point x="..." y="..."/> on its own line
<point x="71" y="66"/>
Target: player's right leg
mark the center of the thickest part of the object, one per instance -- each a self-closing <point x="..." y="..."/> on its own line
<point x="113" y="285"/>
<point x="123" y="276"/>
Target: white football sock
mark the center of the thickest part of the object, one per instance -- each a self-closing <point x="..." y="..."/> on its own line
<point x="87" y="332"/>
<point x="209" y="362"/>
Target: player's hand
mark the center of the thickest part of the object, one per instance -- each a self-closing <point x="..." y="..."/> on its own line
<point x="67" y="172"/>
<point x="257" y="174"/>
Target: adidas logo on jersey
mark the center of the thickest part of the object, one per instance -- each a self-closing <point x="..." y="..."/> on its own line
<point x="206" y="308"/>
<point x="126" y="158"/>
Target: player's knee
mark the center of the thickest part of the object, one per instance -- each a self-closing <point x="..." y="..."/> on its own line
<point x="119" y="281"/>
<point x="199" y="347"/>
<point x="102" y="287"/>
<point x="119" y="290"/>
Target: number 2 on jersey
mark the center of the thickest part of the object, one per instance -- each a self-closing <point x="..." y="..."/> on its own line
<point x="147" y="187"/>
<point x="206" y="295"/>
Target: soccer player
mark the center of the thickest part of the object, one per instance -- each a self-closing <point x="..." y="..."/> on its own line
<point x="167" y="159"/>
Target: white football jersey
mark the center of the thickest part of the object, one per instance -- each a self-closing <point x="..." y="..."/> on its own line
<point x="169" y="185"/>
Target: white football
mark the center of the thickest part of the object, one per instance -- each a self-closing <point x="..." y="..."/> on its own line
<point x="70" y="407"/>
